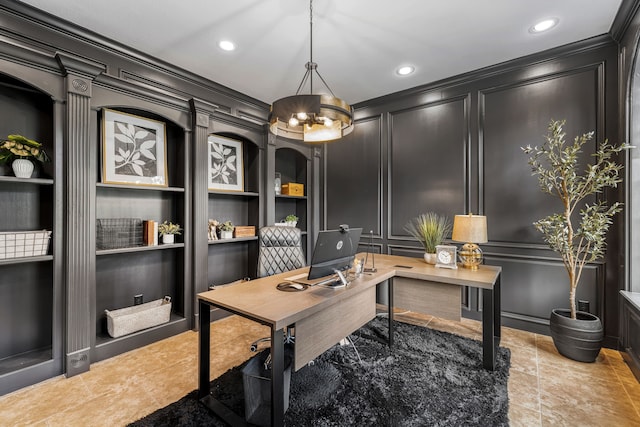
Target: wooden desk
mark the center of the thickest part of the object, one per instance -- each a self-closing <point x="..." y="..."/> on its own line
<point x="323" y="316"/>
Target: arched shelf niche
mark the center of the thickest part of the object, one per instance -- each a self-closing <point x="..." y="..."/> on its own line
<point x="31" y="336"/>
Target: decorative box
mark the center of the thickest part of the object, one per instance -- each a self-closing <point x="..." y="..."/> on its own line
<point x="18" y="244"/>
<point x="131" y="319"/>
<point x="114" y="233"/>
<point x="293" y="189"/>
<point x="244" y="231"/>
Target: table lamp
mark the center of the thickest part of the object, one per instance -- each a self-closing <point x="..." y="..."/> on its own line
<point x="471" y="229"/>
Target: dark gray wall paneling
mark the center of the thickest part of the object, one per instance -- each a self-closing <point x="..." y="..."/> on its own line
<point x="427" y="162"/>
<point x="353" y="171"/>
<point x="455" y="146"/>
<point x="516" y="116"/>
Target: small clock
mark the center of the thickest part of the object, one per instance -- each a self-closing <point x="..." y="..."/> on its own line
<point x="446" y="256"/>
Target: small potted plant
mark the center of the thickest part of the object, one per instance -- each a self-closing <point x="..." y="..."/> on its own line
<point x="430" y="229"/>
<point x="226" y="230"/>
<point x="291" y="220"/>
<point x="168" y="230"/>
<point x="19" y="151"/>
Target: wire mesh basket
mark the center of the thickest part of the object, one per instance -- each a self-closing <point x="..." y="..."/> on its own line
<point x="114" y="233"/>
<point x="17" y="244"/>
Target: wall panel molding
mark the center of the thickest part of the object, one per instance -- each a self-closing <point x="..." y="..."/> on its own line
<point x="428" y="157"/>
<point x="362" y="188"/>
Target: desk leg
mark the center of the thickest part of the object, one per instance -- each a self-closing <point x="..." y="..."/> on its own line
<point x="277" y="377"/>
<point x="390" y="311"/>
<point x="497" y="320"/>
<point x="204" y="350"/>
<point x="491" y="325"/>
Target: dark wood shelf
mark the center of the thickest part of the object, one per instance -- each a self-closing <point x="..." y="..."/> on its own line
<point x="141" y="187"/>
<point x="34" y="181"/>
<point x="26" y="259"/>
<point x="234" y="193"/>
<point x="100" y="252"/>
<point x="233" y="240"/>
<point x="285" y="196"/>
<point x="24" y="360"/>
<point x="106" y="346"/>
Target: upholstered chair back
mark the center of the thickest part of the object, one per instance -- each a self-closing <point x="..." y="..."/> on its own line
<point x="280" y="250"/>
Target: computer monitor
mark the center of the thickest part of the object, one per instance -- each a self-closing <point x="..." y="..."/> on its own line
<point x="334" y="251"/>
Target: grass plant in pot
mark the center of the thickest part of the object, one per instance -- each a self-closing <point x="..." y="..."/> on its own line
<point x="430" y="229"/>
<point x="577" y="233"/>
<point x="168" y="230"/>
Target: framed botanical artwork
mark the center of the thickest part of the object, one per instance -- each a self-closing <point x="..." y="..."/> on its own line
<point x="226" y="169"/>
<point x="133" y="150"/>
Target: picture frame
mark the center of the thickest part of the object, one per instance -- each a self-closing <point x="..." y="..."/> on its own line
<point x="133" y="150"/>
<point x="226" y="164"/>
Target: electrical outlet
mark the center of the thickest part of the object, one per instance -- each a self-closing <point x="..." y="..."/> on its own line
<point x="137" y="299"/>
<point x="584" y="305"/>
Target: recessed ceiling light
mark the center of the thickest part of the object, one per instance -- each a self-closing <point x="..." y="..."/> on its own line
<point x="227" y="45"/>
<point x="544" y="25"/>
<point x="405" y="70"/>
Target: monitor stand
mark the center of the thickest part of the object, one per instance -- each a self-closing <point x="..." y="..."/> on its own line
<point x="343" y="280"/>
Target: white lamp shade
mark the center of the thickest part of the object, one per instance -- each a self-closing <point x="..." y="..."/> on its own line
<point x="470" y="228"/>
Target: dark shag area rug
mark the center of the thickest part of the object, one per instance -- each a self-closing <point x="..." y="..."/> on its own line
<point x="430" y="378"/>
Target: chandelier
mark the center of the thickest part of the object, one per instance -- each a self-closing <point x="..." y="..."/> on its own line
<point x="312" y="118"/>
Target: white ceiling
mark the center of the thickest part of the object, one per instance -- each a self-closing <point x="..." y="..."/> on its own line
<point x="358" y="44"/>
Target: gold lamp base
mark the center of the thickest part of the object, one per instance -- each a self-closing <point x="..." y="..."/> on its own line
<point x="471" y="256"/>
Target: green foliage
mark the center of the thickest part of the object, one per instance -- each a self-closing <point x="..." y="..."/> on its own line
<point x="430" y="229"/>
<point x="19" y="147"/>
<point x="556" y="164"/>
<point x="291" y="218"/>
<point x="226" y="226"/>
<point x="169" y="228"/>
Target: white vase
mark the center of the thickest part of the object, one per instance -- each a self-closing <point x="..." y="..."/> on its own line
<point x="430" y="258"/>
<point x="291" y="223"/>
<point x="226" y="234"/>
<point x="168" y="238"/>
<point x="22" y="168"/>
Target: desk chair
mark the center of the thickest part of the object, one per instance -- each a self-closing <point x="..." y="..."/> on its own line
<point x="280" y="250"/>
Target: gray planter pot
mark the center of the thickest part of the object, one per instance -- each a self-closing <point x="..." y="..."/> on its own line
<point x="578" y="339"/>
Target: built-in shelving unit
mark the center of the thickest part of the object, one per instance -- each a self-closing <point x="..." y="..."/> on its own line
<point x="237" y="255"/>
<point x="152" y="271"/>
<point x="292" y="165"/>
<point x="30" y="306"/>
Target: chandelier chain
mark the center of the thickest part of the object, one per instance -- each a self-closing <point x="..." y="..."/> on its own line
<point x="311" y="40"/>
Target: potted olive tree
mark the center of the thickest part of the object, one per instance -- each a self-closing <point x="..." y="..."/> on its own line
<point x="578" y="232"/>
<point x="430" y="229"/>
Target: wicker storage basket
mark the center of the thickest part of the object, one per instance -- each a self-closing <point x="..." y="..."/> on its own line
<point x="17" y="244"/>
<point x="131" y="319"/>
<point x="114" y="233"/>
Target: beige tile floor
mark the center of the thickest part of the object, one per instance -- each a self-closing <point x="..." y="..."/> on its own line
<point x="545" y="389"/>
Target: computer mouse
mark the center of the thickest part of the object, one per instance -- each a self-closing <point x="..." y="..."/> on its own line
<point x="296" y="286"/>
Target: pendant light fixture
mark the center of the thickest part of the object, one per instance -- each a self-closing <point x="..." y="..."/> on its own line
<point x="312" y="118"/>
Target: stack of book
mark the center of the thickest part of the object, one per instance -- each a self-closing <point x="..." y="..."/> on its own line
<point x="150" y="232"/>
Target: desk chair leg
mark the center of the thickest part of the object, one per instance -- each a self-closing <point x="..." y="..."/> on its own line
<point x="204" y="350"/>
<point x="277" y="377"/>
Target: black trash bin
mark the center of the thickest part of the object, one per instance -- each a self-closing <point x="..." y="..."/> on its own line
<point x="257" y="389"/>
